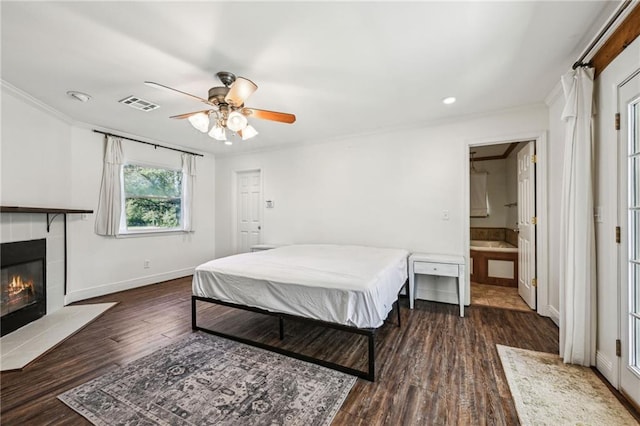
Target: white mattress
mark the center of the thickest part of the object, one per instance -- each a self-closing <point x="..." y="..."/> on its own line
<point x="348" y="285"/>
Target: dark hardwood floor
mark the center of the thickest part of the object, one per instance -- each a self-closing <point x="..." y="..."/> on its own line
<point x="437" y="369"/>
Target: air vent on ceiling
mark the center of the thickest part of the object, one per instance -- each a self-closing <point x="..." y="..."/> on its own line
<point x="137" y="103"/>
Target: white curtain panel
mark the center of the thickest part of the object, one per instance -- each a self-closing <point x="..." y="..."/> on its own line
<point x="577" y="239"/>
<point x="110" y="202"/>
<point x="478" y="194"/>
<point x="188" y="184"/>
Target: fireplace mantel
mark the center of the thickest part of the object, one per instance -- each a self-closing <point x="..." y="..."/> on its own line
<point x="44" y="210"/>
<point x="51" y="213"/>
<point x="18" y="209"/>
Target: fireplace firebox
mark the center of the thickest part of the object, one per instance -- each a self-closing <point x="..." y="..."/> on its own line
<point x="23" y="276"/>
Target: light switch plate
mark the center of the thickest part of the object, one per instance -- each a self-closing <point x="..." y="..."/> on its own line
<point x="597" y="214"/>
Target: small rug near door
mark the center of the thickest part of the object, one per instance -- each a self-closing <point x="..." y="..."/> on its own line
<point x="205" y="379"/>
<point x="547" y="391"/>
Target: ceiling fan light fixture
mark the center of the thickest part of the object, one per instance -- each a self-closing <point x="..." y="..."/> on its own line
<point x="217" y="132"/>
<point x="236" y="121"/>
<point x="239" y="91"/>
<point x="200" y="121"/>
<point x="248" y="132"/>
<point x="225" y="109"/>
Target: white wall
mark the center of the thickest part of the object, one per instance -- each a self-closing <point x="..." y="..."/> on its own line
<point x="33" y="143"/>
<point x="26" y="151"/>
<point x="387" y="189"/>
<point x="57" y="164"/>
<point x="555" y="161"/>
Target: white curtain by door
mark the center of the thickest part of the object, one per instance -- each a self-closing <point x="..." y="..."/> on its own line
<point x="110" y="201"/>
<point x="188" y="184"/>
<point x="577" y="239"/>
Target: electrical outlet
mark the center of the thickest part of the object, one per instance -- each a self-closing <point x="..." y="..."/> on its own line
<point x="445" y="214"/>
<point x="147" y="264"/>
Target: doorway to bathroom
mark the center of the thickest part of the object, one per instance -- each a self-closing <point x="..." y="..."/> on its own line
<point x="502" y="219"/>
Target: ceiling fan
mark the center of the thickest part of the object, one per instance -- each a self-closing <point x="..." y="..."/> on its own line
<point x="226" y="109"/>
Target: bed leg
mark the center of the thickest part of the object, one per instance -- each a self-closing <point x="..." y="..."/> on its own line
<point x="372" y="358"/>
<point x="281" y="327"/>
<point x="193" y="313"/>
<point x="398" y="308"/>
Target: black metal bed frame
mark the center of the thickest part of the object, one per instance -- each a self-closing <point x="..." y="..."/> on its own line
<point x="368" y="332"/>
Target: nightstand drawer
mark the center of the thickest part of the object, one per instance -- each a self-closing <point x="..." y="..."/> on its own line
<point x="442" y="269"/>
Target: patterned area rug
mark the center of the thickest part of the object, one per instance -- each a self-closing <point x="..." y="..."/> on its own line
<point x="549" y="392"/>
<point x="206" y="379"/>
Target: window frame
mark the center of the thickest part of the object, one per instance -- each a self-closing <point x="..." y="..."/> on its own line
<point x="124" y="230"/>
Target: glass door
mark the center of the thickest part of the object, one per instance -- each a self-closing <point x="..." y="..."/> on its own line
<point x="629" y="107"/>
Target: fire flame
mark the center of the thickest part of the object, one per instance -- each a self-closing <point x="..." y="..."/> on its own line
<point x="18" y="285"/>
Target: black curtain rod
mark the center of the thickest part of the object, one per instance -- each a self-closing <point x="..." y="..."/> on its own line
<point x="155" y="145"/>
<point x="611" y="21"/>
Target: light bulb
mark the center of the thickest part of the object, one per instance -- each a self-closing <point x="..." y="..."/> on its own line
<point x="236" y="121"/>
<point x="227" y="142"/>
<point x="248" y="132"/>
<point x="200" y="121"/>
<point x="217" y="132"/>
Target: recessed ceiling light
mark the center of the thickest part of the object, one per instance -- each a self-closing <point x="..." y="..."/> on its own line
<point x="78" y="96"/>
<point x="449" y="100"/>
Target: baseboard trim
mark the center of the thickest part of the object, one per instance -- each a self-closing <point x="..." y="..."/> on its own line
<point x="76" y="296"/>
<point x="553" y="314"/>
<point x="605" y="366"/>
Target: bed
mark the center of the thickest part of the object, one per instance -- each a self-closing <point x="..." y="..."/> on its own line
<point x="352" y="288"/>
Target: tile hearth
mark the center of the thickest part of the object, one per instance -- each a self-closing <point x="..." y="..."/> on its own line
<point x="24" y="345"/>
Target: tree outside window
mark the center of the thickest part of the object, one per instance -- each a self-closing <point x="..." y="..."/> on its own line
<point x="153" y="198"/>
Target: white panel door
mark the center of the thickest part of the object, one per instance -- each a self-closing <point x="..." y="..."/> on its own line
<point x="629" y="107"/>
<point x="526" y="224"/>
<point x="248" y="210"/>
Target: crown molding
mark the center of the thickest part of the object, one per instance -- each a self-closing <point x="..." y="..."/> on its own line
<point x="21" y="94"/>
<point x="388" y="130"/>
<point x="555" y="93"/>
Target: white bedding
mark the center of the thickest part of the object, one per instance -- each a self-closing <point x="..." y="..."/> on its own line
<point x="348" y="285"/>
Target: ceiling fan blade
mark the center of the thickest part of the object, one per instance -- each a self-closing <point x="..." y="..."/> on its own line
<point x="239" y="91"/>
<point x="171" y="89"/>
<point x="189" y="114"/>
<point x="263" y="114"/>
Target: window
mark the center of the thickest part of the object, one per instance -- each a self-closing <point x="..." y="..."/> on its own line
<point x="153" y="199"/>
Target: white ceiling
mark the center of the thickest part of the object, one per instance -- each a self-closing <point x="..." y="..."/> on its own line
<point x="342" y="68"/>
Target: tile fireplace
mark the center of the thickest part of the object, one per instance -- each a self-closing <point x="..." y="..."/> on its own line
<point x="23" y="275"/>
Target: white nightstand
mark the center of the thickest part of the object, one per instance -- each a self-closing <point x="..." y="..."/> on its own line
<point x="439" y="265"/>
